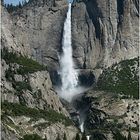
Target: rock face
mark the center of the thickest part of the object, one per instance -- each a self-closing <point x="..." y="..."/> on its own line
<point x="104" y="32"/>
<point x="113" y="103"/>
<point x="22" y="125"/>
<point x="39" y="95"/>
<point x="31" y="91"/>
<point x="35" y="30"/>
<point x="109" y="113"/>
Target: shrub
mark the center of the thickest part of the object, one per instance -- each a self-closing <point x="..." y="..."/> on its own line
<point x="65" y="137"/>
<point x="129" y="136"/>
<point x="77" y="137"/>
<point x="19" y="86"/>
<point x="84" y="137"/>
<point x="118" y="136"/>
<point x="31" y="137"/>
<point x="121" y="78"/>
<point x="27" y="65"/>
<point x="9" y="74"/>
<point x="58" y="137"/>
<point x="14" y="109"/>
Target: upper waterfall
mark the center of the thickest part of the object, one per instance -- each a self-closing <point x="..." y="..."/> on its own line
<point x="69" y="75"/>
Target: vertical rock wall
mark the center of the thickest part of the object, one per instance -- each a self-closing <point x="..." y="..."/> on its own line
<point x="104" y="31"/>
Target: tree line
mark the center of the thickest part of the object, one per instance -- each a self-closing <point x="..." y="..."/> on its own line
<point x="10" y="7"/>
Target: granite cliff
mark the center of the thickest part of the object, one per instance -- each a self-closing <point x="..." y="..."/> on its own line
<point x="105" y="49"/>
<point x="104" y="32"/>
<point x="105" y="42"/>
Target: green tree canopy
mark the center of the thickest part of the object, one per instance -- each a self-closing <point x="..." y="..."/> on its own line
<point x="58" y="137"/>
<point x="65" y="137"/>
<point x="129" y="135"/>
<point x="31" y="137"/>
<point x="84" y="136"/>
<point x="77" y="137"/>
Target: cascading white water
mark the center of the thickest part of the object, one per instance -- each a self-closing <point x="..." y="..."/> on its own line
<point x="82" y="126"/>
<point x="88" y="137"/>
<point x="69" y="75"/>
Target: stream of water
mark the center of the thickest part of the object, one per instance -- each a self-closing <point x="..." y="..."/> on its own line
<point x="69" y="75"/>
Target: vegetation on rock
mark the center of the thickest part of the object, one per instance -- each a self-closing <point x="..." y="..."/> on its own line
<point x="27" y="65"/>
<point x="118" y="136"/>
<point x="65" y="137"/>
<point x="58" y="137"/>
<point x="14" y="109"/>
<point x="84" y="137"/>
<point x="10" y="7"/>
<point x="31" y="137"/>
<point x="121" y="78"/>
<point x="77" y="136"/>
<point x="19" y="86"/>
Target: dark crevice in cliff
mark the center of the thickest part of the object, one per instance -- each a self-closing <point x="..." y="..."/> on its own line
<point x="86" y="79"/>
<point x="94" y="14"/>
<point x="120" y="10"/>
<point x="55" y="78"/>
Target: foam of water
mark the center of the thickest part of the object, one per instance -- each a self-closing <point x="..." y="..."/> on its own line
<point x="82" y="126"/>
<point x="88" y="137"/>
<point x="69" y="76"/>
<point x="82" y="118"/>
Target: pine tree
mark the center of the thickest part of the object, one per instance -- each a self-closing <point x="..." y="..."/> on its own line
<point x="65" y="137"/>
<point x="58" y="137"/>
<point x="119" y="136"/>
<point x="84" y="137"/>
<point x="9" y="8"/>
<point x="19" y="5"/>
<point x="24" y="2"/>
<point x="129" y="135"/>
<point x="31" y="137"/>
<point x="77" y="137"/>
<point x="2" y="2"/>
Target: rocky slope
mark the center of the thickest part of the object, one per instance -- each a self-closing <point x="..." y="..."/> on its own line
<point x="104" y="31"/>
<point x="122" y="78"/>
<point x="29" y="102"/>
<point x="110" y="117"/>
<point x="113" y="112"/>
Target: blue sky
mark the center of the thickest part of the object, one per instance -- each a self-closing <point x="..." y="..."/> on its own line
<point x="14" y="2"/>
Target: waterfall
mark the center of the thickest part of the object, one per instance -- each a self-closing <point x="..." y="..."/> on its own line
<point x="88" y="137"/>
<point x="69" y="75"/>
<point x="82" y="126"/>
